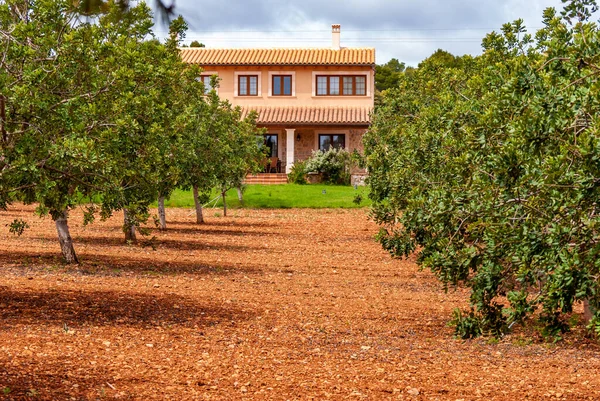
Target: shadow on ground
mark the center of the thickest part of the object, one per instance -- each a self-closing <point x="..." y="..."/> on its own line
<point x="28" y="262"/>
<point x="53" y="381"/>
<point x="226" y="223"/>
<point x="103" y="308"/>
<point x="221" y="232"/>
<point x="57" y="378"/>
<point x="189" y="245"/>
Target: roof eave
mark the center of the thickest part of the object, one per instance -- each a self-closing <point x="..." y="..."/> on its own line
<point x="285" y="65"/>
<point x="354" y="124"/>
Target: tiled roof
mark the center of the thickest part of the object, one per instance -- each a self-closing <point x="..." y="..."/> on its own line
<point x="274" y="115"/>
<point x="323" y="56"/>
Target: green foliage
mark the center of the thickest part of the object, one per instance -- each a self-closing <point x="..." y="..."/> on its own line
<point x="297" y="173"/>
<point x="18" y="227"/>
<point x="178" y="28"/>
<point x="387" y="75"/>
<point x="489" y="167"/>
<point x="594" y="325"/>
<point x="442" y="58"/>
<point x="358" y="198"/>
<point x="466" y="327"/>
<point x="195" y="43"/>
<point x="95" y="7"/>
<point x="334" y="164"/>
<point x="219" y="148"/>
<point x="127" y="132"/>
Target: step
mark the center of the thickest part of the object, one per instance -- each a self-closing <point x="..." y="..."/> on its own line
<point x="266" y="178"/>
<point x="268" y="175"/>
<point x="262" y="180"/>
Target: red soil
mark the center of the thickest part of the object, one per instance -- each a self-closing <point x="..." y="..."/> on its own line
<point x="264" y="305"/>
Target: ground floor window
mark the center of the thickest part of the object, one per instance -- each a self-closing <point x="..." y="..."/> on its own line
<point x="270" y="143"/>
<point x="328" y="141"/>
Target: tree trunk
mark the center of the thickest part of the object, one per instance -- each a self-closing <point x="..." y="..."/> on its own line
<point x="64" y="238"/>
<point x="240" y="194"/>
<point x="588" y="314"/>
<point x="161" y="213"/>
<point x="199" y="214"/>
<point x="223" y="195"/>
<point x="128" y="227"/>
<point x="3" y="119"/>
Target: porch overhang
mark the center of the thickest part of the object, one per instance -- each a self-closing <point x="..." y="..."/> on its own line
<point x="310" y="115"/>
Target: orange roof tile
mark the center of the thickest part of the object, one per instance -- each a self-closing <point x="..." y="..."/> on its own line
<point x="271" y="115"/>
<point x="323" y="56"/>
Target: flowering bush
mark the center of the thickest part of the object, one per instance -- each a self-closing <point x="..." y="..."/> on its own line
<point x="333" y="164"/>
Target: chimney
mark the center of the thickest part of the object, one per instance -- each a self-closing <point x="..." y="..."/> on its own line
<point x="335" y="36"/>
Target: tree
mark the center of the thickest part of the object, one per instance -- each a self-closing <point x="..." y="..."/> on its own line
<point x="202" y="149"/>
<point x="443" y="58"/>
<point x="242" y="149"/>
<point x="96" y="7"/>
<point x="221" y="148"/>
<point x="152" y="95"/>
<point x="50" y="151"/>
<point x="195" y="43"/>
<point x="488" y="167"/>
<point x="387" y="75"/>
<point x="109" y="138"/>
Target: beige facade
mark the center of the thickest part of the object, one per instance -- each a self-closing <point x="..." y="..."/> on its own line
<point x="305" y="114"/>
<point x="303" y="86"/>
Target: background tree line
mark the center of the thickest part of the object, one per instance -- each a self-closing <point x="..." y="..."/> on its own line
<point x="489" y="168"/>
<point x="96" y="111"/>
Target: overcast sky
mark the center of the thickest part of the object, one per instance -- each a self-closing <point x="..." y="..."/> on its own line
<point x="408" y="30"/>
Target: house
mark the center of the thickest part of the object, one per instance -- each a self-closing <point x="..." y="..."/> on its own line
<point x="306" y="98"/>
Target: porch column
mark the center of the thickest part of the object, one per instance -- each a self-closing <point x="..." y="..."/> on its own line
<point x="291" y="140"/>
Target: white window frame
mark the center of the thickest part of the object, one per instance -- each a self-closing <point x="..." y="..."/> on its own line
<point x="368" y="83"/>
<point x="236" y="80"/>
<point x="292" y="73"/>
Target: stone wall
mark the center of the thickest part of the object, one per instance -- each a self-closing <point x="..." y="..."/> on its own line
<point x="306" y="144"/>
<point x="355" y="140"/>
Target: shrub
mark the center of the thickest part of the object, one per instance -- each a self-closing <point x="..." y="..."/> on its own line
<point x="490" y="171"/>
<point x="298" y="172"/>
<point x="333" y="164"/>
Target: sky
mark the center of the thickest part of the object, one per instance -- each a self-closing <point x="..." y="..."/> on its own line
<point x="408" y="30"/>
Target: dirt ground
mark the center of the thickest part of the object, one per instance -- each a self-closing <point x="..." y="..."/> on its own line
<point x="263" y="305"/>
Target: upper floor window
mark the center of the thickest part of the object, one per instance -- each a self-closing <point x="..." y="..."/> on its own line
<point x="282" y="85"/>
<point x="341" y="85"/>
<point x="248" y="85"/>
<point x="205" y="79"/>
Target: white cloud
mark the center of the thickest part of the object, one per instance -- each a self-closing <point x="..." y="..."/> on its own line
<point x="407" y="30"/>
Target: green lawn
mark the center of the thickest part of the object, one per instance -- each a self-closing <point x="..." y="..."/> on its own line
<point x="283" y="196"/>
